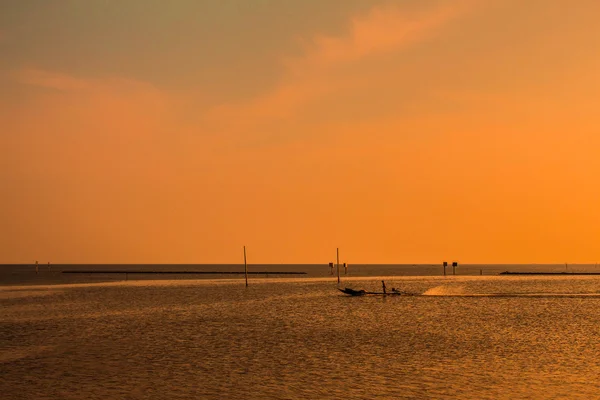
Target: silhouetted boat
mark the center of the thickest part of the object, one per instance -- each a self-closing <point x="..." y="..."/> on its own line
<point x="353" y="292"/>
<point x="363" y="292"/>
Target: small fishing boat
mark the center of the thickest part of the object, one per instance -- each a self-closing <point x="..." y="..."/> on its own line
<point x="362" y="292"/>
<point x="353" y="292"/>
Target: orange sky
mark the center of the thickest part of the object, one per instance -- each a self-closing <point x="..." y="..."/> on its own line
<point x="400" y="131"/>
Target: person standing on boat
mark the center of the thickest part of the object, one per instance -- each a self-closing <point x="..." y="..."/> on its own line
<point x="383" y="286"/>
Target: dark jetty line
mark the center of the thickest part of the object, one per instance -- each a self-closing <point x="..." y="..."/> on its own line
<point x="549" y="273"/>
<point x="183" y="272"/>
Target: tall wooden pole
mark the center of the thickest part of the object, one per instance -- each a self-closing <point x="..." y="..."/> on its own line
<point x="245" y="267"/>
<point x="338" y="264"/>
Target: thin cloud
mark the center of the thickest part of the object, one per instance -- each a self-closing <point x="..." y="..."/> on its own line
<point x="50" y="80"/>
<point x="68" y="83"/>
<point x="317" y="73"/>
<point x="383" y="29"/>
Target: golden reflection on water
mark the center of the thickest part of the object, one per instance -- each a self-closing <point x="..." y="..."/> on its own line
<point x="468" y="337"/>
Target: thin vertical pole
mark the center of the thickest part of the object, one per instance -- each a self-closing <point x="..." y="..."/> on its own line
<point x="245" y="267"/>
<point x="338" y="263"/>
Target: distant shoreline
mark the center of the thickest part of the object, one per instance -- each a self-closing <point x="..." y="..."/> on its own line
<point x="182" y="272"/>
<point x="549" y="273"/>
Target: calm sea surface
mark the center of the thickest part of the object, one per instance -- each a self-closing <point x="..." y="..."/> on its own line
<point x="466" y="336"/>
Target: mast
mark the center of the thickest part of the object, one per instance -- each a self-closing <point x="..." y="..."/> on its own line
<point x="245" y="267"/>
<point x="338" y="264"/>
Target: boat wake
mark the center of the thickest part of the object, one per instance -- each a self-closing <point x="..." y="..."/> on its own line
<point x="445" y="290"/>
<point x="538" y="295"/>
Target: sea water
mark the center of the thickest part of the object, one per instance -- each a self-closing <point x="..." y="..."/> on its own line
<point x="484" y="337"/>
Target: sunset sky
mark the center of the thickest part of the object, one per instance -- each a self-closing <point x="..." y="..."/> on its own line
<point x="408" y="131"/>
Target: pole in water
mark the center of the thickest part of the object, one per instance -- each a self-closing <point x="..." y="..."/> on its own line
<point x="445" y="265"/>
<point x="480" y="272"/>
<point x="345" y="269"/>
<point x="37" y="271"/>
<point x="338" y="263"/>
<point x="245" y="267"/>
<point x="454" y="265"/>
